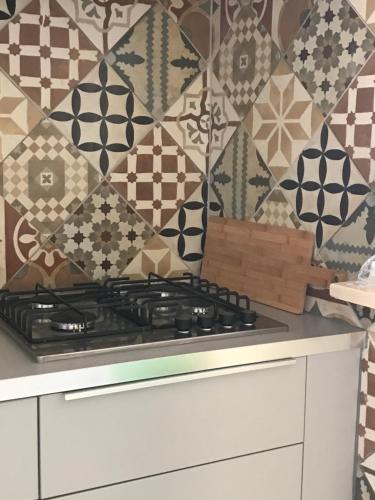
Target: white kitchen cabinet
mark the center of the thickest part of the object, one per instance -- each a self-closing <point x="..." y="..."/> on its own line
<point x="19" y="450"/>
<point x="272" y="475"/>
<point x="95" y="441"/>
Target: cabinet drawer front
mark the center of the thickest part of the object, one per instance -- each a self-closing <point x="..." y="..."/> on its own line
<point x="19" y="450"/>
<point x="272" y="475"/>
<point x="116" y="437"/>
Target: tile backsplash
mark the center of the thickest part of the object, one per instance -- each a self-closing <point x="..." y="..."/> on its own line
<point x="105" y="136"/>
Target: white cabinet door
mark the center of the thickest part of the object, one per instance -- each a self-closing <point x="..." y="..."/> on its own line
<point x="99" y="440"/>
<point x="19" y="450"/>
<point x="272" y="475"/>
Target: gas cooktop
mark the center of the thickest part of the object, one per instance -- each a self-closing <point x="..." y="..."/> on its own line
<point x="123" y="314"/>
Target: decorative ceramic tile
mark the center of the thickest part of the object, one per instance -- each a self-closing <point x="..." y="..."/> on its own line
<point x="282" y="120"/>
<point x="215" y="206"/>
<point x="224" y="13"/>
<point x="103" y="118"/>
<point x="25" y="261"/>
<point x="329" y="50"/>
<point x="9" y="9"/>
<point x="245" y="60"/>
<point x="186" y="231"/>
<point x="366" y="9"/>
<point x="194" y="18"/>
<point x="156" y="257"/>
<point x="353" y="121"/>
<point x="156" y="60"/>
<point x="202" y="114"/>
<point x="240" y="178"/>
<point x="104" y="23"/>
<point x="156" y="177"/>
<point x="325" y="186"/>
<point x="17" y="116"/>
<point x="45" y="178"/>
<point x="45" y="52"/>
<point x="103" y="235"/>
<point x="277" y="211"/>
<point x="49" y="267"/>
<point x="282" y="18"/>
<point x="348" y="249"/>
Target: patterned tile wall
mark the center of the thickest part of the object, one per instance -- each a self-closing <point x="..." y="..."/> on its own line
<point x="105" y="135"/>
<point x="300" y="74"/>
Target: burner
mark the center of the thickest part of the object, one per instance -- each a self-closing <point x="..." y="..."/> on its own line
<point x="72" y="321"/>
<point x="43" y="302"/>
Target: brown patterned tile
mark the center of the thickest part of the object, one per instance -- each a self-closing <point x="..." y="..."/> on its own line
<point x="45" y="52"/>
<point x="156" y="177"/>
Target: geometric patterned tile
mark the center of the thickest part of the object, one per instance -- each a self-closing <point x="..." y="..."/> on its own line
<point x="45" y="52"/>
<point x="282" y="18"/>
<point x="240" y="178"/>
<point x="282" y="120"/>
<point x="245" y="60"/>
<point x="329" y="50"/>
<point x="201" y="114"/>
<point x="45" y="178"/>
<point x="194" y="19"/>
<point x="103" y="235"/>
<point x="324" y="186"/>
<point x="353" y="121"/>
<point x="106" y="22"/>
<point x="156" y="257"/>
<point x="223" y="14"/>
<point x="9" y="9"/>
<point x="185" y="233"/>
<point x="156" y="177"/>
<point x="50" y="267"/>
<point x="215" y="207"/>
<point x="366" y="9"/>
<point x="103" y="118"/>
<point x="277" y="211"/>
<point x="354" y="242"/>
<point x="18" y="116"/>
<point x="156" y="60"/>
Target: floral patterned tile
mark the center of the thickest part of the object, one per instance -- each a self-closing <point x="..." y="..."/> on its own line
<point x="245" y="60"/>
<point x="282" y="120"/>
<point x="353" y="121"/>
<point x="18" y="116"/>
<point x="156" y="177"/>
<point x="366" y="9"/>
<point x="224" y="13"/>
<point x="45" y="52"/>
<point x="324" y="186"/>
<point x="194" y="18"/>
<point x="185" y="233"/>
<point x="49" y="267"/>
<point x="104" y="23"/>
<point x="45" y="178"/>
<point x="103" y="235"/>
<point x="202" y="121"/>
<point x="102" y="118"/>
<point x="282" y="18"/>
<point x="240" y="178"/>
<point x="156" y="60"/>
<point x="277" y="211"/>
<point x="348" y="249"/>
<point x="329" y="50"/>
<point x="156" y="257"/>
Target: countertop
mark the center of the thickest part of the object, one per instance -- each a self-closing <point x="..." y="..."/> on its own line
<point x="21" y="376"/>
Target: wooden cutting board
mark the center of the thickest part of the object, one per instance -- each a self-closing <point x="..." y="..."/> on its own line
<point x="270" y="264"/>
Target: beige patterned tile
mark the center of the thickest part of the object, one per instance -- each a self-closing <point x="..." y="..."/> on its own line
<point x="277" y="211"/>
<point x="104" y="23"/>
<point x="156" y="257"/>
<point x="282" y="120"/>
<point x="18" y="116"/>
